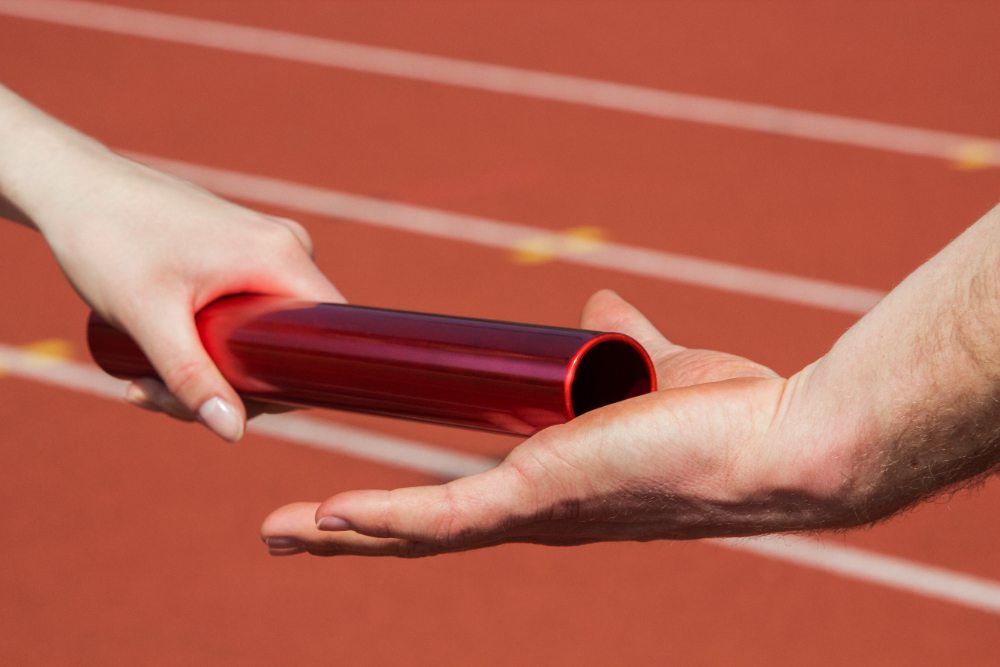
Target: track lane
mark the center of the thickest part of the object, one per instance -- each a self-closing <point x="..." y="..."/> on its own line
<point x="519" y="239"/>
<point x="764" y="613"/>
<point x="699" y="192"/>
<point x="974" y="557"/>
<point x="913" y="577"/>
<point x="972" y="151"/>
<point x="771" y="53"/>
<point x="158" y="557"/>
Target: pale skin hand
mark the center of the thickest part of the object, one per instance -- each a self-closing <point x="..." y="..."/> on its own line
<point x="147" y="251"/>
<point x="906" y="404"/>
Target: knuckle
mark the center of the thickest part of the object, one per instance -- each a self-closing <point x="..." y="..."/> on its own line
<point x="535" y="465"/>
<point x="451" y="529"/>
<point x="184" y="377"/>
<point x="412" y="549"/>
<point x="290" y="236"/>
<point x="296" y="228"/>
<point x="281" y="237"/>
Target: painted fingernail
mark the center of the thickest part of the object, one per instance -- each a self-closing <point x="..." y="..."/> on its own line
<point x="282" y="542"/>
<point x="222" y="418"/>
<point x="332" y="523"/>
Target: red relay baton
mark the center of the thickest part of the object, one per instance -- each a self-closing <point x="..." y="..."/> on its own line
<point x="494" y="376"/>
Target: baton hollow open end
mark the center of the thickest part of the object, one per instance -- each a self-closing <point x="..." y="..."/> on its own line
<point x="606" y="370"/>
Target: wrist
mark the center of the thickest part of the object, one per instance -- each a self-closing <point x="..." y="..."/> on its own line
<point x="11" y="212"/>
<point x="904" y="405"/>
<point x="819" y="459"/>
<point x="45" y="166"/>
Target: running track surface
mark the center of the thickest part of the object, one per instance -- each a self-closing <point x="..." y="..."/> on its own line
<point x="130" y="539"/>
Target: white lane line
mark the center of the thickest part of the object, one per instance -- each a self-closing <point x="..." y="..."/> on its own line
<point x="849" y="562"/>
<point x="982" y="151"/>
<point x="513" y="236"/>
<point x="364" y="444"/>
<point x="320" y="434"/>
<point x="66" y="374"/>
<point x="854" y="563"/>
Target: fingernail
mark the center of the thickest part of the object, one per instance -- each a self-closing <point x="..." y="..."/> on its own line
<point x="286" y="552"/>
<point x="150" y="394"/>
<point x="332" y="523"/>
<point x="282" y="542"/>
<point x="222" y="418"/>
<point x="283" y="546"/>
<point x="137" y="397"/>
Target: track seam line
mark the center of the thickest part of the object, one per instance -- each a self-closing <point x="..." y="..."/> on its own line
<point x="513" y="236"/>
<point x="848" y="562"/>
<point x="768" y="119"/>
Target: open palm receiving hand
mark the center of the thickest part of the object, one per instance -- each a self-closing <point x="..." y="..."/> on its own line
<point x="903" y="406"/>
<point x="687" y="461"/>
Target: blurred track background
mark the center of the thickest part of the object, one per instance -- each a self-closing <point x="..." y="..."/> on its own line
<point x="132" y="539"/>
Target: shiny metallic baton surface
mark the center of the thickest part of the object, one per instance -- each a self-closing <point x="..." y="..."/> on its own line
<point x="495" y="376"/>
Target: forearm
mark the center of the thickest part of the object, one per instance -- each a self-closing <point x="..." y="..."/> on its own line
<point x="907" y="403"/>
<point x="43" y="164"/>
<point x="8" y="130"/>
<point x="13" y="213"/>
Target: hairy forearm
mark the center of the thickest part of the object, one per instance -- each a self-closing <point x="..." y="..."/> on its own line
<point x="907" y="403"/>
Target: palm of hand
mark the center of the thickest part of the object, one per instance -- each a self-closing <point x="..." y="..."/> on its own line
<point x="658" y="466"/>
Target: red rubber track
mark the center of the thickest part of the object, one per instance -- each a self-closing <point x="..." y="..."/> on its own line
<point x="130" y="539"/>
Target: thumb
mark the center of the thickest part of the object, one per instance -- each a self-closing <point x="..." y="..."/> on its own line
<point x="676" y="366"/>
<point x="171" y="343"/>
